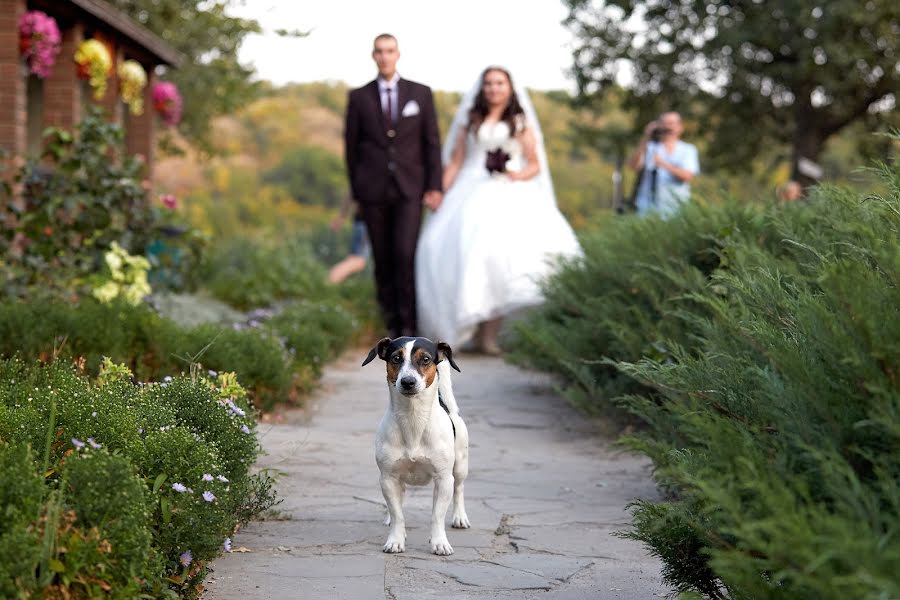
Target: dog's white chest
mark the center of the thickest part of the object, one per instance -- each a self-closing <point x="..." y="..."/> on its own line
<point x="415" y="470"/>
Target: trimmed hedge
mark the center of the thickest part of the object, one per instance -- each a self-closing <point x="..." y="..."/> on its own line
<point x="760" y="347"/>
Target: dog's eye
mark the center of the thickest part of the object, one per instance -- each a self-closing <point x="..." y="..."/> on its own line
<point x="426" y="360"/>
<point x="396" y="359"/>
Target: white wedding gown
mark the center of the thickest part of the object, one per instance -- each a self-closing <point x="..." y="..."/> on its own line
<point x="484" y="252"/>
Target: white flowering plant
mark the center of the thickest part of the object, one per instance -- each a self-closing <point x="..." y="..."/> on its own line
<point x="125" y="277"/>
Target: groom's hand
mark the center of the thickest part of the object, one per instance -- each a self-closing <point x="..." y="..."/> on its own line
<point x="432" y="199"/>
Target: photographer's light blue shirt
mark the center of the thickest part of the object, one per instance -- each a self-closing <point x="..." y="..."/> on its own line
<point x="670" y="191"/>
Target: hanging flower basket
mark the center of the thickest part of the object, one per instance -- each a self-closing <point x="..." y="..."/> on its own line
<point x="94" y="64"/>
<point x="39" y="42"/>
<point x="167" y="102"/>
<point x="133" y="80"/>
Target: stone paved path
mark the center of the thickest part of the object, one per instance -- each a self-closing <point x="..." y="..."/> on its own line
<point x="544" y="493"/>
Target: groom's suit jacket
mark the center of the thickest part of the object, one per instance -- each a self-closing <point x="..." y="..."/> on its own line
<point x="410" y="151"/>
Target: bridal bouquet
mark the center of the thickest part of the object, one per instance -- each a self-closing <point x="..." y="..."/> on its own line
<point x="134" y="80"/>
<point x="39" y="41"/>
<point x="94" y="64"/>
<point x="496" y="160"/>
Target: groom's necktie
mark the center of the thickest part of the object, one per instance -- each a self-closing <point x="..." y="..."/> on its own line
<point x="389" y="109"/>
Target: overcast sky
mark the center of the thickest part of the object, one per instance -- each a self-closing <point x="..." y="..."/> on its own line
<point x="442" y="44"/>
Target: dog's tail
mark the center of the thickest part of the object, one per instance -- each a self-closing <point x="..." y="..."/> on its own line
<point x="445" y="387"/>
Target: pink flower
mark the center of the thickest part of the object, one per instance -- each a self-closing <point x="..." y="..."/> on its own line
<point x="39" y="41"/>
<point x="167" y="102"/>
<point x="169" y="201"/>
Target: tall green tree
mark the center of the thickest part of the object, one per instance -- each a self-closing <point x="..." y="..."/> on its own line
<point x="212" y="81"/>
<point x="753" y="74"/>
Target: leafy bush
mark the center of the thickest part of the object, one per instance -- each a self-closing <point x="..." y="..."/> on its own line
<point x="771" y="410"/>
<point x="248" y="274"/>
<point x="632" y="296"/>
<point x="144" y="482"/>
<point x="21" y="495"/>
<point x="151" y="346"/>
<point x="74" y="203"/>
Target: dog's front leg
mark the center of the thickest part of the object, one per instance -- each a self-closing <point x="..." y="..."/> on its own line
<point x="393" y="496"/>
<point x="443" y="493"/>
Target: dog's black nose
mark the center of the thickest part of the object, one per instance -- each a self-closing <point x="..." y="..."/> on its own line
<point x="408" y="383"/>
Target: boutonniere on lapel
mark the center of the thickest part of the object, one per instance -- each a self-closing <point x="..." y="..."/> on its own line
<point x="411" y="109"/>
<point x="496" y="160"/>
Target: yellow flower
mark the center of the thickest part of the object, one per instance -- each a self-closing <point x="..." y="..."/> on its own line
<point x="134" y="80"/>
<point x="93" y="56"/>
<point x="107" y="292"/>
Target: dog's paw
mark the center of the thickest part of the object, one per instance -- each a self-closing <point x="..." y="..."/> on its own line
<point x="460" y="521"/>
<point x="394" y="546"/>
<point x="441" y="547"/>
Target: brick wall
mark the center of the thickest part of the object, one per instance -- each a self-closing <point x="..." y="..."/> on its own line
<point x="13" y="132"/>
<point x="62" y="89"/>
<point x="140" y="130"/>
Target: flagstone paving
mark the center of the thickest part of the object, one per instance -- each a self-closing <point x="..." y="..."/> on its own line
<point x="546" y="491"/>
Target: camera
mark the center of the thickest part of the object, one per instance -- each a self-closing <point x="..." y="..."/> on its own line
<point x="658" y="132"/>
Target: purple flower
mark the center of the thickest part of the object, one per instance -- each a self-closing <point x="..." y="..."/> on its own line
<point x="226" y="545"/>
<point x="77" y="443"/>
<point x="179" y="488"/>
<point x="495" y="161"/>
<point x="209" y="496"/>
<point x="212" y="373"/>
<point x="185" y="559"/>
<point x="245" y="429"/>
<point x="222" y="478"/>
<point x="94" y="444"/>
<point x="207" y="477"/>
<point x="94" y="414"/>
<point x="167" y="378"/>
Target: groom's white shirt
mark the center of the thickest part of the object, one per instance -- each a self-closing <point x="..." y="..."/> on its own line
<point x="383" y="86"/>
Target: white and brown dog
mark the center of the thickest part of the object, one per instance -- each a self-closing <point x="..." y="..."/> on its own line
<point x="421" y="437"/>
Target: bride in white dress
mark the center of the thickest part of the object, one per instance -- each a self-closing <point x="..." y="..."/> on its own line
<point x="483" y="253"/>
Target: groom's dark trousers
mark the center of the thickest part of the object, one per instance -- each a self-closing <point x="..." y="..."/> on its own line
<point x="391" y="163"/>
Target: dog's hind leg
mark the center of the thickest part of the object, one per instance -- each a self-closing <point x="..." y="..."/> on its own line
<point x="460" y="520"/>
<point x="393" y="495"/>
<point x="443" y="493"/>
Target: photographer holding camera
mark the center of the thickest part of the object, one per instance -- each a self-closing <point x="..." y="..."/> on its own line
<point x="665" y="164"/>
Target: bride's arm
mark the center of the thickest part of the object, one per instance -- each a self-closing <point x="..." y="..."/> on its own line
<point x="456" y="159"/>
<point x="529" y="150"/>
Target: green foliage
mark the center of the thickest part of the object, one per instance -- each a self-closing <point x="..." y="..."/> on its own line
<point x="151" y="346"/>
<point x="311" y="175"/>
<point x="66" y="218"/>
<point x="249" y="274"/>
<point x="212" y="80"/>
<point x="766" y="378"/>
<point x="21" y="495"/>
<point x="798" y="72"/>
<point x="111" y="547"/>
<point x="108" y="519"/>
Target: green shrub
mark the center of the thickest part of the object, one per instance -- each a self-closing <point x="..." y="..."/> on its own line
<point x="632" y="296"/>
<point x="151" y="346"/>
<point x="107" y="516"/>
<point x="21" y="495"/>
<point x="248" y="274"/>
<point x="773" y="413"/>
<point x="106" y="497"/>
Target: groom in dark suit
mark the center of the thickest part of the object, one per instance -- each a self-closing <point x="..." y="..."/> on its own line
<point x="393" y="154"/>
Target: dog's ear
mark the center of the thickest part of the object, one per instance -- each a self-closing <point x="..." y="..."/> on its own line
<point x="445" y="352"/>
<point x="379" y="350"/>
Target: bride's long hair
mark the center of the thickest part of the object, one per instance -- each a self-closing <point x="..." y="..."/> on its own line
<point x="480" y="107"/>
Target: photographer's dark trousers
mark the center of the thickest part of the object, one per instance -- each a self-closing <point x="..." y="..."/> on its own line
<point x="393" y="225"/>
